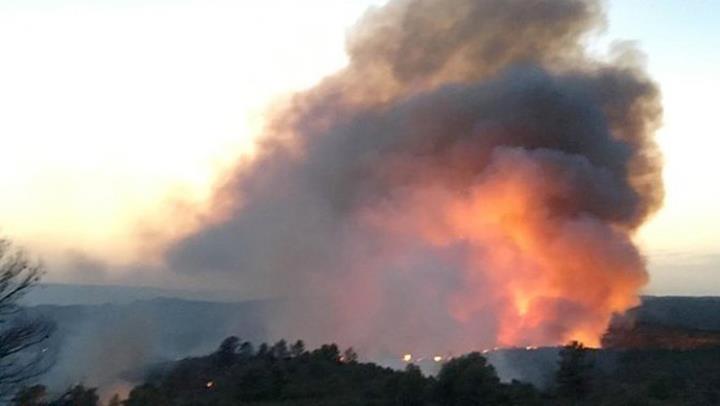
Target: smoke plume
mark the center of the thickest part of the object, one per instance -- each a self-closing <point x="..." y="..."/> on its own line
<point x="472" y="178"/>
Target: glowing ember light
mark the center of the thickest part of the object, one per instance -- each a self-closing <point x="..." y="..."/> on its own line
<point x="209" y="384"/>
<point x="407" y="357"/>
<point x="437" y="358"/>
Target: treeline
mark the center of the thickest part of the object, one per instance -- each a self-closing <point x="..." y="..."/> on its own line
<point x="281" y="374"/>
<point x="237" y="373"/>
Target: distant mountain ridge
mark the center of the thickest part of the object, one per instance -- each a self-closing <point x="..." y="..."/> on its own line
<point x="100" y="344"/>
<point x="701" y="313"/>
<point x="670" y="323"/>
<point x="82" y="294"/>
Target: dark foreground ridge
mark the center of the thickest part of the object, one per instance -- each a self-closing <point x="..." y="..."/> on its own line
<point x="237" y="373"/>
<point x="675" y="323"/>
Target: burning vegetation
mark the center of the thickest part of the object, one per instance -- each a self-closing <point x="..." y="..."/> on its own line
<point x="473" y="177"/>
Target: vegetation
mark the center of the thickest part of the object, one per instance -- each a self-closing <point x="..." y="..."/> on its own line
<point x="22" y="356"/>
<point x="281" y="375"/>
<point x="77" y="395"/>
<point x="238" y="373"/>
<point x="574" y="372"/>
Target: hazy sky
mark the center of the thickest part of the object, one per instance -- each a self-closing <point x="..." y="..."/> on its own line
<point x="681" y="40"/>
<point x="111" y="109"/>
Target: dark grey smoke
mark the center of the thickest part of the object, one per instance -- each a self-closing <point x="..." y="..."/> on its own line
<point x="444" y="100"/>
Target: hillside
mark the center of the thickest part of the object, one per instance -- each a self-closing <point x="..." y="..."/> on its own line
<point x="101" y="344"/>
<point x="98" y="344"/>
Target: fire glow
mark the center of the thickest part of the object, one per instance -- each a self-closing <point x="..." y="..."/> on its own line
<point x="534" y="262"/>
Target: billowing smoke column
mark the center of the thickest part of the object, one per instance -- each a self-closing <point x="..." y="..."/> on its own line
<point x="472" y="178"/>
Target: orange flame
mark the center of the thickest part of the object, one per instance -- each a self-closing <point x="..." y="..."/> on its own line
<point x="548" y="278"/>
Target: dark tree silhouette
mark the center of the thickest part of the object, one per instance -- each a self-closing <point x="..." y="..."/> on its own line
<point x="280" y="350"/>
<point x="349" y="355"/>
<point x="115" y="401"/>
<point x="226" y="354"/>
<point x="469" y="380"/>
<point x="246" y="349"/>
<point x="22" y="356"/>
<point x="409" y="388"/>
<point x="320" y="378"/>
<point x="147" y="394"/>
<point x="573" y="375"/>
<point x="263" y="350"/>
<point x="77" y="396"/>
<point x="297" y="349"/>
<point x="328" y="352"/>
<point x="31" y="396"/>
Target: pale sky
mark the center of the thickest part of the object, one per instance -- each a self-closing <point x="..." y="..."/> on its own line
<point x="109" y="109"/>
<point x="682" y="42"/>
